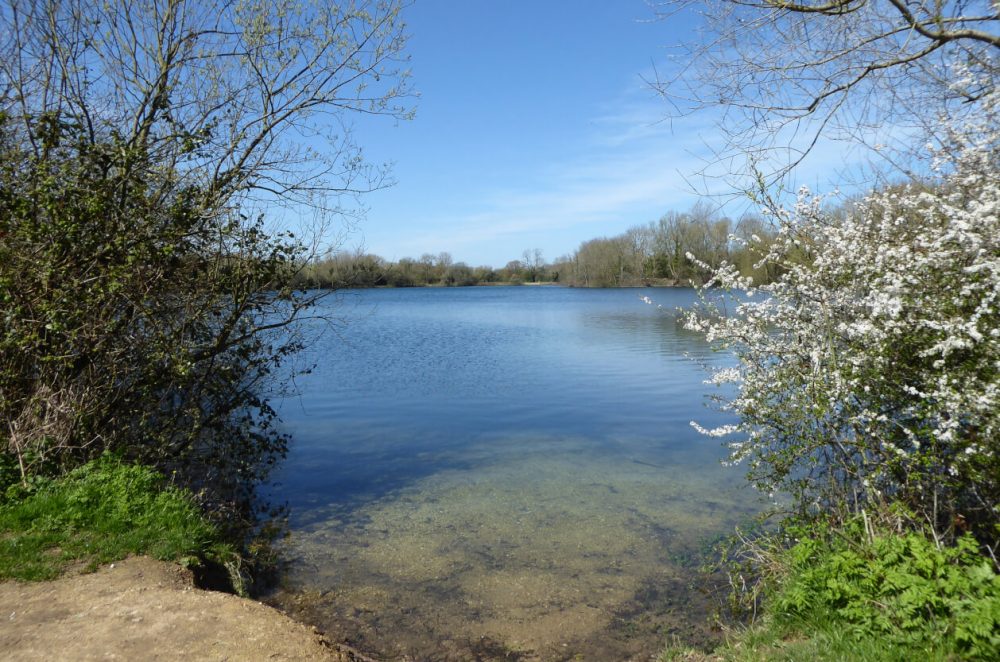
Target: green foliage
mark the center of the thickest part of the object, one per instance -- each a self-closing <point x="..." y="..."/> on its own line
<point x="135" y="316"/>
<point x="140" y="287"/>
<point x="863" y="590"/>
<point x="663" y="252"/>
<point x="901" y="589"/>
<point x="821" y="641"/>
<point x="102" y="511"/>
<point x="361" y="270"/>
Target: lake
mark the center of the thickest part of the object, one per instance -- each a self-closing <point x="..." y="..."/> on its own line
<point x="505" y="473"/>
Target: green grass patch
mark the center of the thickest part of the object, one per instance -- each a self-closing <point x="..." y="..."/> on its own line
<point x="103" y="511"/>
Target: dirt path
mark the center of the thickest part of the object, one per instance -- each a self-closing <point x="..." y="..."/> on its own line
<point x="141" y="609"/>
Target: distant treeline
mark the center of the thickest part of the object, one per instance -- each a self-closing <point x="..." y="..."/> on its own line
<point x="659" y="253"/>
<point x="653" y="254"/>
<point x="360" y="269"/>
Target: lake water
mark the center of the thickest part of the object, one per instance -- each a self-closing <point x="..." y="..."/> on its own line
<point x="505" y="473"/>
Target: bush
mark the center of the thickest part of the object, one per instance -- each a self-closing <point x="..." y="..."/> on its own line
<point x="869" y="371"/>
<point x="133" y="323"/>
<point x="140" y="284"/>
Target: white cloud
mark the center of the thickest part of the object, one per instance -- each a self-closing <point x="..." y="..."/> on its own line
<point x="630" y="167"/>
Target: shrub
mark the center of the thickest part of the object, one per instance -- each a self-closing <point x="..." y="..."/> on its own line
<point x="133" y="324"/>
<point x="143" y="151"/>
<point x="869" y="371"/>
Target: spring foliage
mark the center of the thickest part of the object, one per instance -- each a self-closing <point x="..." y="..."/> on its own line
<point x="100" y="512"/>
<point x="131" y="324"/>
<point x="901" y="590"/>
<point x="145" y="151"/>
<point x="870" y="370"/>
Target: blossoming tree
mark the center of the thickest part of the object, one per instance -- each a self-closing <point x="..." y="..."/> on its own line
<point x="870" y="371"/>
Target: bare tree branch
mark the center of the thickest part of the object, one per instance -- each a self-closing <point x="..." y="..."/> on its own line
<point x="786" y="73"/>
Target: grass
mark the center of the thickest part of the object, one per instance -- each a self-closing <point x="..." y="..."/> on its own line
<point x="826" y="640"/>
<point x="103" y="511"/>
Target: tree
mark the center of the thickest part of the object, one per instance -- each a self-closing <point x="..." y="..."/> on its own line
<point x="459" y="274"/>
<point x="600" y="262"/>
<point x="513" y="272"/>
<point x="668" y="246"/>
<point x="636" y="246"/>
<point x="534" y="264"/>
<point x="786" y="73"/>
<point x="144" y="148"/>
<point x="247" y="101"/>
<point x="870" y="372"/>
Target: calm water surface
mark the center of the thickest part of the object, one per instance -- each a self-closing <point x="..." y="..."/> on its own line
<point x="505" y="473"/>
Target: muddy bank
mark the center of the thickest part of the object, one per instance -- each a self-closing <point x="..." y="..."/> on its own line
<point x="149" y="610"/>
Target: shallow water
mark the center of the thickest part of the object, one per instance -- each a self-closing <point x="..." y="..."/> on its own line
<point x="506" y="473"/>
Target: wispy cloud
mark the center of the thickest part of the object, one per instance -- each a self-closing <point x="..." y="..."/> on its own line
<point x="630" y="166"/>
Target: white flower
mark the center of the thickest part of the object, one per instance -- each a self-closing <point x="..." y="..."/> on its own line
<point x="888" y="340"/>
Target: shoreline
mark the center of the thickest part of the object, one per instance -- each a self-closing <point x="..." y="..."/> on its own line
<point x="662" y="283"/>
<point x="141" y="608"/>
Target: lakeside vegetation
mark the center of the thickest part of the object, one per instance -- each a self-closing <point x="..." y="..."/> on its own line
<point x="844" y="591"/>
<point x="867" y="376"/>
<point x="143" y="152"/>
<point x="866" y="393"/>
<point x="140" y="322"/>
<point x="657" y="253"/>
<point x="103" y="511"/>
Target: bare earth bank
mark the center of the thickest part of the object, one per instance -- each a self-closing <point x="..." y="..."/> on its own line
<point x="149" y="610"/>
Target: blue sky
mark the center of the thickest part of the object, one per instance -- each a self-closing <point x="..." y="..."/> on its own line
<point x="534" y="129"/>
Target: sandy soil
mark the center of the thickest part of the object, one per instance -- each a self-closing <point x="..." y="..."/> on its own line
<point x="142" y="609"/>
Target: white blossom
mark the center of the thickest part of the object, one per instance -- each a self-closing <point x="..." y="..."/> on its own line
<point x="883" y="344"/>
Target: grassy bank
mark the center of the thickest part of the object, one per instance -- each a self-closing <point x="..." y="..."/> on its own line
<point x="853" y="592"/>
<point x="101" y="512"/>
